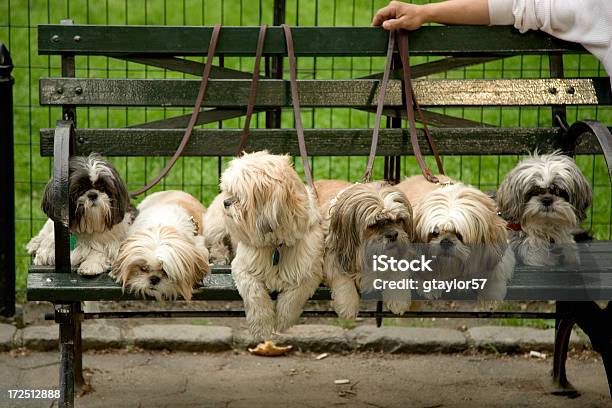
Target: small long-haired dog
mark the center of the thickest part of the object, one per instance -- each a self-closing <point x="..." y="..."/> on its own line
<point x="544" y="198"/>
<point x="360" y="216"/>
<point x="99" y="219"/>
<point x="274" y="219"/>
<point x="221" y="248"/>
<point x="466" y="236"/>
<point x="164" y="254"/>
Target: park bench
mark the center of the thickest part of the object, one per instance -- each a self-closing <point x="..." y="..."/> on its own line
<point x="227" y="95"/>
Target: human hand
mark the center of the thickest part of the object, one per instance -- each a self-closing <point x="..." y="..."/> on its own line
<point x="398" y="15"/>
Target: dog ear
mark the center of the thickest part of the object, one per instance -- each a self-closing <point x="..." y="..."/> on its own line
<point x="582" y="197"/>
<point x="509" y="197"/>
<point x="408" y="222"/>
<point x="344" y="238"/>
<point x="120" y="198"/>
<point x="48" y="204"/>
<point x="120" y="270"/>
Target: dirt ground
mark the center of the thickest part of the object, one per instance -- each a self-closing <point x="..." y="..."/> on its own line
<point x="162" y="379"/>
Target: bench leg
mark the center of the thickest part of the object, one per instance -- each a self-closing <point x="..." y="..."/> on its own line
<point x="597" y="324"/>
<point x="68" y="316"/>
<point x="563" y="331"/>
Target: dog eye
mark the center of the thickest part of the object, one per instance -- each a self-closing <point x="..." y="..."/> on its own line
<point x="559" y="192"/>
<point x="535" y="191"/>
<point x="435" y="234"/>
<point x="164" y="273"/>
<point x="459" y="237"/>
<point x="144" y="268"/>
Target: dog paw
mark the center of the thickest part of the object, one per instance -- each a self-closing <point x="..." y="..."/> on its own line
<point x="398" y="307"/>
<point x="91" y="268"/>
<point x="346" y="311"/>
<point x="44" y="258"/>
<point x="262" y="326"/>
<point x="32" y="247"/>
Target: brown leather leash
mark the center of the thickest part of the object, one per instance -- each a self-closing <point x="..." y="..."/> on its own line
<point x="401" y="37"/>
<point x="379" y="108"/>
<point x="194" y="116"/>
<point x="295" y="101"/>
<point x="411" y="105"/>
<point x="253" y="93"/>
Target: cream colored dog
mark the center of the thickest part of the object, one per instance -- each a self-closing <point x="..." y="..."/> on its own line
<point x="164" y="254"/>
<point x="359" y="216"/>
<point x="471" y="240"/>
<point x="274" y="219"/>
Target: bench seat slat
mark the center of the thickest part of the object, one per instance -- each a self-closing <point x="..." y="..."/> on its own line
<point x="320" y="142"/>
<point x="356" y="93"/>
<point x="309" y="41"/>
<point x="555" y="284"/>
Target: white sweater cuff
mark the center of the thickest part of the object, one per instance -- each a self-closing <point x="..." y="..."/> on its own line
<point x="500" y="12"/>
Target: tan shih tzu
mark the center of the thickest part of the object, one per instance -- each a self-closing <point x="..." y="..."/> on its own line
<point x="465" y="236"/>
<point x="164" y="254"/>
<point x="544" y="198"/>
<point x="360" y="216"/>
<point x="274" y="219"/>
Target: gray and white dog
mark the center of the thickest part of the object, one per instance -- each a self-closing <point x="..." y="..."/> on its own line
<point x="100" y="215"/>
<point x="544" y="199"/>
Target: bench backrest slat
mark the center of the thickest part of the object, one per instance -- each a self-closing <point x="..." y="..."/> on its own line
<point x="309" y="41"/>
<point x="320" y="142"/>
<point x="324" y="93"/>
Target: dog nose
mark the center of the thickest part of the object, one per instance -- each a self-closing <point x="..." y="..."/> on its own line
<point x="92" y="195"/>
<point x="546" y="201"/>
<point x="227" y="202"/>
<point x="391" y="235"/>
<point x="446" y="243"/>
<point x="154" y="280"/>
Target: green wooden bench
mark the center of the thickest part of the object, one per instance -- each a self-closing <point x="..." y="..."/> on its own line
<point x="227" y="94"/>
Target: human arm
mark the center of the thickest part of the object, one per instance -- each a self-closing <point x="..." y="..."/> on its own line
<point x="398" y="15"/>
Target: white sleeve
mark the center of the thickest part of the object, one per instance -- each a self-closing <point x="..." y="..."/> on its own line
<point x="588" y="22"/>
<point x="500" y="12"/>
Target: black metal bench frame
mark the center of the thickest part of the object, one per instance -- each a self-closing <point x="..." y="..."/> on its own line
<point x="60" y="285"/>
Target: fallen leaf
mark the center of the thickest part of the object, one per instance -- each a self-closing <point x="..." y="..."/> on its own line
<point x="269" y="349"/>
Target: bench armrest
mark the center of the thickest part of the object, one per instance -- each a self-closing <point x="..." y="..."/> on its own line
<point x="60" y="194"/>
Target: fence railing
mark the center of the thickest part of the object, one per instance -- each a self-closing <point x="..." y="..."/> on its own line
<point x="7" y="187"/>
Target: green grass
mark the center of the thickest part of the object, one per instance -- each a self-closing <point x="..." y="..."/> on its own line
<point x="200" y="322"/>
<point x="18" y="20"/>
<point x="345" y="324"/>
<point x="535" y="323"/>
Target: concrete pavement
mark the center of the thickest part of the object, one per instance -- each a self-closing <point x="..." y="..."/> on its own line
<point x="236" y="379"/>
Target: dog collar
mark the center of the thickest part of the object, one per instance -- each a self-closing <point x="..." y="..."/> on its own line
<point x="514" y="227"/>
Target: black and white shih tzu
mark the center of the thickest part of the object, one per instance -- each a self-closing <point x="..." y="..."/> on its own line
<point x="544" y="199"/>
<point x="100" y="215"/>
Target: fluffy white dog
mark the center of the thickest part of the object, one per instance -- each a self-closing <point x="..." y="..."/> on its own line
<point x="100" y="216"/>
<point x="274" y="219"/>
<point x="464" y="233"/>
<point x="361" y="216"/>
<point x="544" y="198"/>
<point x="164" y="254"/>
